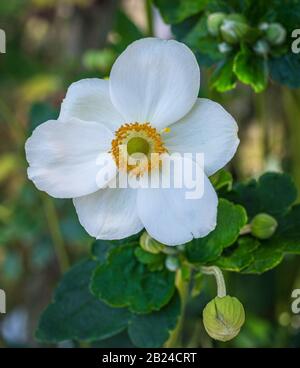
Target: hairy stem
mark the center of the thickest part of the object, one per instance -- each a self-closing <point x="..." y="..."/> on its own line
<point x="215" y="271"/>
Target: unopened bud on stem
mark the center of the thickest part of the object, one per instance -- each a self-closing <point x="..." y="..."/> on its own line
<point x="214" y="22"/>
<point x="223" y="318"/>
<point x="263" y="226"/>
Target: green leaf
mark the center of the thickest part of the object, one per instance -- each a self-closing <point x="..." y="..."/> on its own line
<point x="154" y="262"/>
<point x="120" y="340"/>
<point x="223" y="78"/>
<point x="102" y="248"/>
<point x="251" y="69"/>
<point x="122" y="281"/>
<point x="288" y="232"/>
<point x="273" y="193"/>
<point x="222" y="180"/>
<point x="239" y="256"/>
<point x="231" y="218"/>
<point x="152" y="330"/>
<point x="285" y="69"/>
<point x="175" y="11"/>
<point x="266" y="257"/>
<point x="76" y="314"/>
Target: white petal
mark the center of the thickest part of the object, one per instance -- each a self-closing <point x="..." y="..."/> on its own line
<point x="207" y="129"/>
<point x="64" y="157"/>
<point x="109" y="213"/>
<point x="171" y="218"/>
<point x="89" y="100"/>
<point x="155" y="81"/>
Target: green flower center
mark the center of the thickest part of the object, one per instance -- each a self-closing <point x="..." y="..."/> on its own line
<point x="138" y="145"/>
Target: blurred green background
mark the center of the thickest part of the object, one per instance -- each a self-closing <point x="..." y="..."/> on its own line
<point x="52" y="43"/>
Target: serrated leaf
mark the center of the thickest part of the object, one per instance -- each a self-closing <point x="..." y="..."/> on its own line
<point x="152" y="330"/>
<point x="76" y="314"/>
<point x="240" y="256"/>
<point x="223" y="78"/>
<point x="231" y="218"/>
<point x="175" y="11"/>
<point x="251" y="69"/>
<point x="266" y="257"/>
<point x="122" y="281"/>
<point x="273" y="193"/>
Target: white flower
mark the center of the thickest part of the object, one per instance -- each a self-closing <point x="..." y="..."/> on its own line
<point x="153" y="85"/>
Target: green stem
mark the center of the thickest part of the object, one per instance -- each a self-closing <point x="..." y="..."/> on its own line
<point x="213" y="270"/>
<point x="58" y="241"/>
<point x="149" y="14"/>
<point x="175" y="339"/>
<point x="245" y="229"/>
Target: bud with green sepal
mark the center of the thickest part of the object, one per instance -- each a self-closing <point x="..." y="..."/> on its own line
<point x="234" y="28"/>
<point x="224" y="48"/>
<point x="261" y="47"/>
<point x="214" y="22"/>
<point x="223" y="318"/>
<point x="275" y="34"/>
<point x="149" y="244"/>
<point x="263" y="226"/>
<point x="172" y="263"/>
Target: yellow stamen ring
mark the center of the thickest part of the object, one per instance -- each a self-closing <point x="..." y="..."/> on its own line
<point x="135" y="139"/>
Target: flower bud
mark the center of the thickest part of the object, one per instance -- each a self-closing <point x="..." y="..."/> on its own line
<point x="275" y="34"/>
<point x="233" y="31"/>
<point x="214" y="22"/>
<point x="261" y="47"/>
<point x="263" y="26"/>
<point x="172" y="263"/>
<point x="263" y="226"/>
<point x="149" y="244"/>
<point x="224" y="48"/>
<point x="223" y="318"/>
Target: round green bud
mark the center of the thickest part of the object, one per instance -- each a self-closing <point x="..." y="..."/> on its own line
<point x="223" y="318"/>
<point x="261" y="47"/>
<point x="232" y="31"/>
<point x="149" y="244"/>
<point x="172" y="263"/>
<point x="275" y="34"/>
<point x="214" y="22"/>
<point x="263" y="26"/>
<point x="263" y="226"/>
<point x="224" y="48"/>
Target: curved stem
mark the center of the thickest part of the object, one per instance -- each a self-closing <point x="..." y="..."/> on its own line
<point x="213" y="270"/>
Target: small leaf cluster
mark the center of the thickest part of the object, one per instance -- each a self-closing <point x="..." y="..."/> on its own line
<point x="247" y="40"/>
